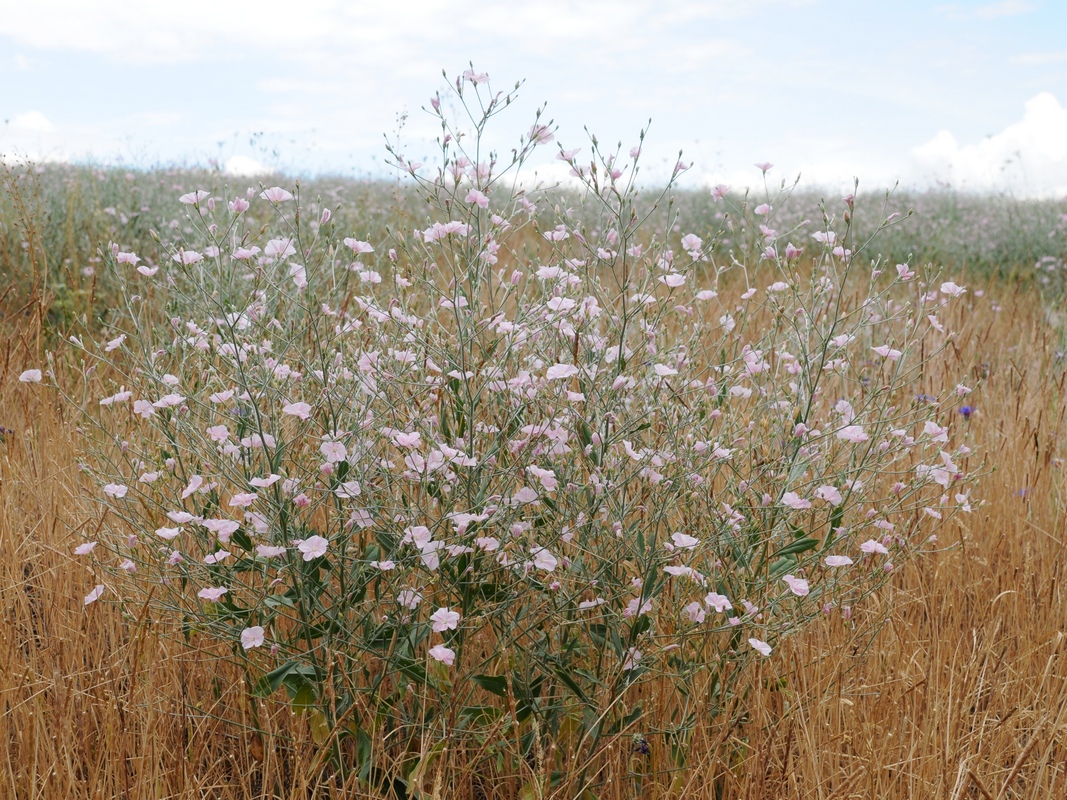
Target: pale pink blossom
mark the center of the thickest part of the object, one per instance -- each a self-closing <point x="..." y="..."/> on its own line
<point x="275" y="195"/>
<point x="830" y="494"/>
<point x="94" y="595"/>
<point x="794" y="500"/>
<point x="443" y="654"/>
<point x="478" y="198"/>
<point x="760" y="647"/>
<point x="445" y="619"/>
<point x="243" y="499"/>
<point x="358" y="247"/>
<point x="853" y="434"/>
<point x="872" y="546"/>
<point x="194" y="198"/>
<point x="561" y="372"/>
<point x="252" y="637"/>
<point x="717" y="601"/>
<point x="31" y="376"/>
<point x="838" y="561"/>
<point x="313" y="547"/>
<point x="116" y="490"/>
<point x="797" y="586"/>
<point x="84" y="549"/>
<point x="212" y="593"/>
<point x="301" y="410"/>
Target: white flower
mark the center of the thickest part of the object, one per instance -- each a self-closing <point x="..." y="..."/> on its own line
<point x="31" y="376"/>
<point x="561" y="372"/>
<point x="94" y="595"/>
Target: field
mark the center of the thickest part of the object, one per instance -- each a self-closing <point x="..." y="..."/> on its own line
<point x="947" y="680"/>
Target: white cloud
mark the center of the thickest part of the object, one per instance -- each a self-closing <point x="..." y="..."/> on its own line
<point x="1028" y="157"/>
<point x="988" y="11"/>
<point x="33" y="121"/>
<point x="244" y="167"/>
<point x="1040" y="59"/>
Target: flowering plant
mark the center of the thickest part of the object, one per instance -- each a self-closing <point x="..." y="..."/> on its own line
<point x="475" y="486"/>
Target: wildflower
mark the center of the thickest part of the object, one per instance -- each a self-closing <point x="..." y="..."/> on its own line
<point x="94" y="595"/>
<point x="871" y="546"/>
<point x="695" y="612"/>
<point x="760" y="647"/>
<point x="797" y="586"/>
<point x="853" y="434"/>
<point x="561" y="372"/>
<point x="212" y="593"/>
<point x="269" y="551"/>
<point x="838" y="561"/>
<point x="830" y="494"/>
<point x="633" y="655"/>
<point x="313" y="547"/>
<point x="301" y="410"/>
<point x="951" y="289"/>
<point x="252" y="637"/>
<point x="84" y="549"/>
<point x="194" y="198"/>
<point x="477" y="198"/>
<point x="275" y="195"/>
<point x="30" y="376"/>
<point x="966" y="411"/>
<point x="543" y="559"/>
<point x="444" y="619"/>
<point x="684" y="540"/>
<point x="795" y="501"/>
<point x="243" y="499"/>
<point x="116" y="490"/>
<point x="717" y="601"/>
<point x="167" y="533"/>
<point x="409" y="599"/>
<point x="443" y="654"/>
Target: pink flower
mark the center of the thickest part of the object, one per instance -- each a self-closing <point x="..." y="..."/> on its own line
<point x="218" y="433"/>
<point x="127" y="258"/>
<point x="167" y="533"/>
<point x="872" y="546"/>
<point x="275" y="195"/>
<point x="243" y="500"/>
<point x="478" y="198"/>
<point x="797" y="586"/>
<point x="30" y="376"/>
<point x="116" y="490"/>
<point x="238" y="205"/>
<point x="302" y="410"/>
<point x="692" y="243"/>
<point x="672" y="279"/>
<point x="279" y="248"/>
<point x="313" y="547"/>
<point x="445" y="619"/>
<point x="762" y="210"/>
<point x="212" y="593"/>
<point x="84" y="549"/>
<point x="830" y="494"/>
<point x="561" y="372"/>
<point x="852" y="433"/>
<point x="838" y="561"/>
<point x="252" y="637"/>
<point x="951" y="289"/>
<point x="633" y="656"/>
<point x="333" y="452"/>
<point x="443" y="654"/>
<point x="94" y="595"/>
<point x="263" y="483"/>
<point x="269" y="551"/>
<point x="760" y="647"/>
<point x="904" y="273"/>
<point x="794" y="500"/>
<point x="543" y="559"/>
<point x="144" y="408"/>
<point x="194" y="198"/>
<point x="187" y="257"/>
<point x="764" y="167"/>
<point x="885" y="351"/>
<point x="358" y="247"/>
<point x="223" y="528"/>
<point x="684" y="540"/>
<point x="718" y="601"/>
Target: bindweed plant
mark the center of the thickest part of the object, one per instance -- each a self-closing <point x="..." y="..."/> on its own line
<point x="465" y="493"/>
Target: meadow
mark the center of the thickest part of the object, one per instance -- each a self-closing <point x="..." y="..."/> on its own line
<point x="878" y="621"/>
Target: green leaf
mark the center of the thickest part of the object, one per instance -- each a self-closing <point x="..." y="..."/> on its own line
<point x="496" y="684"/>
<point x="799" y="546"/>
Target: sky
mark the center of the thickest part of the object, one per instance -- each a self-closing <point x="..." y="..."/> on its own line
<point x="968" y="94"/>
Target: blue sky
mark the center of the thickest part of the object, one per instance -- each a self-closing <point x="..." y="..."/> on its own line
<point x="970" y="93"/>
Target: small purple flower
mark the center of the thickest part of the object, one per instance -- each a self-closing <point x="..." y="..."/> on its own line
<point x="965" y="411"/>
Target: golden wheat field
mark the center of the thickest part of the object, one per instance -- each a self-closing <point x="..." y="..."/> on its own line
<point x="952" y="684"/>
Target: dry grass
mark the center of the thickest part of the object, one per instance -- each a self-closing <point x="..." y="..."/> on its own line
<point x="963" y="694"/>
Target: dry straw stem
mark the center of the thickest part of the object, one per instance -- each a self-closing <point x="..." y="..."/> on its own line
<point x="960" y="695"/>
